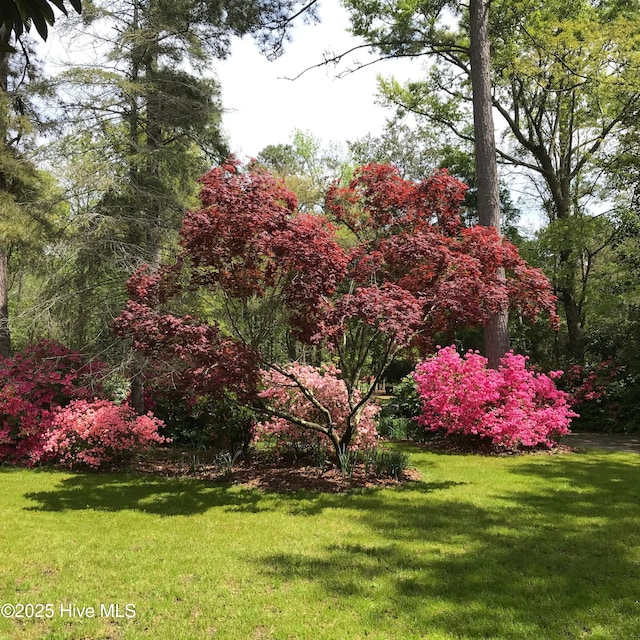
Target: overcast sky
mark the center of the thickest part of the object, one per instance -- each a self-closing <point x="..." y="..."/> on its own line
<point x="263" y="107"/>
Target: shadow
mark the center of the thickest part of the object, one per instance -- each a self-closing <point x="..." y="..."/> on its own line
<point x="6" y="468"/>
<point x="556" y="556"/>
<point x="363" y="500"/>
<point x="148" y="494"/>
<point x="584" y="441"/>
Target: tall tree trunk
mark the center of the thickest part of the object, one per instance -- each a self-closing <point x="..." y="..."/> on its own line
<point x="5" y="334"/>
<point x="575" y="335"/>
<point x="559" y="184"/>
<point x="496" y="332"/>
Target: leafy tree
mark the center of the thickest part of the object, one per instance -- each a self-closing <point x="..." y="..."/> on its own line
<point x="306" y="166"/>
<point x="142" y="121"/>
<point x="565" y="82"/>
<point x="412" y="271"/>
<point x="416" y="150"/>
<point x="27" y="196"/>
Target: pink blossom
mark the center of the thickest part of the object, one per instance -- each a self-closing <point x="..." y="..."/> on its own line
<point x="511" y="406"/>
<point x="285" y="395"/>
<point x="98" y="432"/>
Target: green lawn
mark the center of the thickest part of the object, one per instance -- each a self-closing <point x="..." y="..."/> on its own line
<point x="536" y="547"/>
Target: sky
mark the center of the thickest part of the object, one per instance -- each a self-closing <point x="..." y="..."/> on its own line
<point x="264" y="107"/>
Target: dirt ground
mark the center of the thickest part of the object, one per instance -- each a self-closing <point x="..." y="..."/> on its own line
<point x="274" y="476"/>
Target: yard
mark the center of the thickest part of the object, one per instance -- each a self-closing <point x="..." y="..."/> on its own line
<point x="539" y="547"/>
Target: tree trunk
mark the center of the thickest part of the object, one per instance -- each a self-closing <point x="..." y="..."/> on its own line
<point x="575" y="335"/>
<point x="496" y="332"/>
<point x="5" y="333"/>
<point x="137" y="393"/>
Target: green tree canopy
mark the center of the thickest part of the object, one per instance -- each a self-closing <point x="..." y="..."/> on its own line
<point x="566" y="82"/>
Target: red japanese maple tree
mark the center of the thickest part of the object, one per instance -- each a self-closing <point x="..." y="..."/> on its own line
<point x="402" y="269"/>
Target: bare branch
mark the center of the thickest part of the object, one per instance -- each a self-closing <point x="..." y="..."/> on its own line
<point x="335" y="59"/>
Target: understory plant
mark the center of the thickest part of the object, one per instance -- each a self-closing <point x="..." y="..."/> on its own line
<point x="510" y="406"/>
<point x="302" y="395"/>
<point x="33" y="383"/>
<point x="602" y="393"/>
<point x="99" y="433"/>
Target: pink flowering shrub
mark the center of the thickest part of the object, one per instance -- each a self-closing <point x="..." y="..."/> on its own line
<point x="589" y="384"/>
<point x="285" y="395"/>
<point x="98" y="433"/>
<point x="33" y="383"/>
<point x="511" y="406"/>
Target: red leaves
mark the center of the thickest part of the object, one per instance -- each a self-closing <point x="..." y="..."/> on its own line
<point x="188" y="355"/>
<point x="412" y="271"/>
<point x="379" y="201"/>
<point x="230" y="236"/>
<point x="394" y="311"/>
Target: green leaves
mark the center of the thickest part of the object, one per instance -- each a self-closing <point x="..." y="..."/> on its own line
<point x="18" y="14"/>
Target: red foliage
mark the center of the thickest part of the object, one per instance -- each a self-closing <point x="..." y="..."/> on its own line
<point x="379" y="201"/>
<point x="412" y="270"/>
<point x="411" y="236"/>
<point x="187" y="354"/>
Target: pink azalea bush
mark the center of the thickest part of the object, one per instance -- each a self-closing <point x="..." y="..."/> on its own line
<point x="512" y="406"/>
<point x="284" y="395"/>
<point x="33" y="383"/>
<point x="98" y="433"/>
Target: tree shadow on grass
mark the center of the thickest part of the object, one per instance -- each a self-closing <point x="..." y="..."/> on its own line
<point x="148" y="494"/>
<point x="181" y="496"/>
<point x="556" y="557"/>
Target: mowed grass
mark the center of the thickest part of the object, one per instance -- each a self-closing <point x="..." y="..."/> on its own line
<point x="537" y="547"/>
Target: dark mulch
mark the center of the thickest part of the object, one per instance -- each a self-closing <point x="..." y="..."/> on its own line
<point x="278" y="475"/>
<point x="270" y="475"/>
<point x="467" y="445"/>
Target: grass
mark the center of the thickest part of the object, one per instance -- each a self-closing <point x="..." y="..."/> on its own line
<point x="539" y="547"/>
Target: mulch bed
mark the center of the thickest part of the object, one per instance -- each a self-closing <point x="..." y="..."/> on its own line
<point x="272" y="475"/>
<point x="277" y="475"/>
<point x="466" y="445"/>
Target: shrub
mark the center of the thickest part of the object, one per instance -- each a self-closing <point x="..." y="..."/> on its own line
<point x="406" y="402"/>
<point x="285" y="396"/>
<point x="98" y="433"/>
<point x="205" y="422"/>
<point x="511" y="406"/>
<point x="600" y="391"/>
<point x="391" y="463"/>
<point x="396" y="428"/>
<point x="33" y="383"/>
